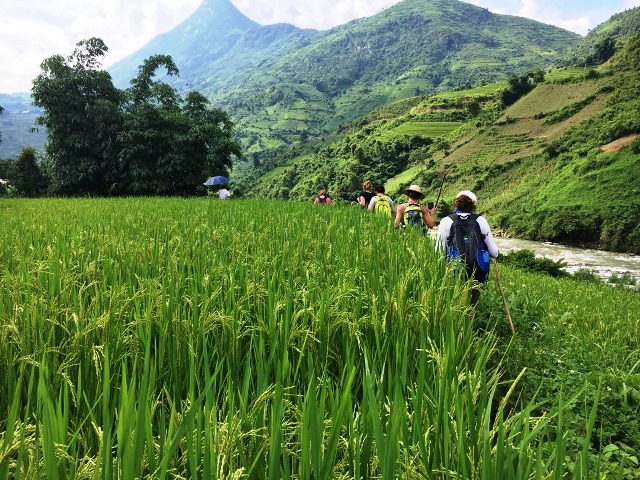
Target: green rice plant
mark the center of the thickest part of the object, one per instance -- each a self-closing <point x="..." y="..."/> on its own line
<point x="190" y="338"/>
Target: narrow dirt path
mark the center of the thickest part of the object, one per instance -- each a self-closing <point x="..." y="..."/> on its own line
<point x="619" y="143"/>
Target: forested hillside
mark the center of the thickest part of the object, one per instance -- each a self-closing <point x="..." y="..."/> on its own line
<point x="542" y="165"/>
<point x="601" y="42"/>
<point x="281" y="83"/>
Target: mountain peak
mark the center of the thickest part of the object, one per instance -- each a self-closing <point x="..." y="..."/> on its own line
<point x="209" y="32"/>
<point x="218" y="17"/>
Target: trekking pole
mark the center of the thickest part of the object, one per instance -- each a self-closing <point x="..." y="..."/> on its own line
<point x="444" y="176"/>
<point x="504" y="300"/>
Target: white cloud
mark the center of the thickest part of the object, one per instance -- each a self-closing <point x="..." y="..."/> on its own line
<point x="310" y="13"/>
<point x="33" y="30"/>
<point x="579" y="25"/>
<point x="575" y="15"/>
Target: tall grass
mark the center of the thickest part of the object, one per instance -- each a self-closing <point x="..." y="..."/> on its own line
<point x="171" y="338"/>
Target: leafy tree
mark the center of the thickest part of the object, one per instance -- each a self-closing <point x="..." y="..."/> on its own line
<point x="82" y="115"/>
<point x="27" y="178"/>
<point x="442" y="145"/>
<point x="6" y="167"/>
<point x="142" y="141"/>
<point x="520" y="86"/>
<point x="631" y="53"/>
<point x="473" y="108"/>
<point x="1" y="110"/>
<point x="6" y="171"/>
<point x="170" y="144"/>
<point x="602" y="51"/>
<point x="210" y="133"/>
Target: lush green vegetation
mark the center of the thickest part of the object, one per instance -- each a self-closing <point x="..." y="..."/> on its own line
<point x="549" y="147"/>
<point x="601" y="42"/>
<point x="104" y="141"/>
<point x="574" y="177"/>
<point x="527" y="260"/>
<point x="541" y="136"/>
<point x="172" y="338"/>
<point x="425" y="129"/>
<point x="25" y="175"/>
<point x="280" y="83"/>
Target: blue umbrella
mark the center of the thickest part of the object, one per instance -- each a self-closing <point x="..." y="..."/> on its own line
<point x="217" y="180"/>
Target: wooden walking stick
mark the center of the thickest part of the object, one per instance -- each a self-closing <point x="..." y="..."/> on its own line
<point x="504" y="300"/>
<point x="444" y="176"/>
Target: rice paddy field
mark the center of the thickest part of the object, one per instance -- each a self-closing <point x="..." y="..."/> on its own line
<point x="427" y="129"/>
<point x="193" y="338"/>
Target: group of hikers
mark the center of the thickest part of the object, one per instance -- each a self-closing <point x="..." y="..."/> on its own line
<point x="464" y="236"/>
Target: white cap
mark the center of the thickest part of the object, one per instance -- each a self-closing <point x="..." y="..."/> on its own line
<point x="469" y="195"/>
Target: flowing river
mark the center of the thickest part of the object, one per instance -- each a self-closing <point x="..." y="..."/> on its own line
<point x="601" y="263"/>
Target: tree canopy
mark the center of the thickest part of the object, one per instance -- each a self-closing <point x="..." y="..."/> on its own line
<point x="27" y="178"/>
<point x="146" y="140"/>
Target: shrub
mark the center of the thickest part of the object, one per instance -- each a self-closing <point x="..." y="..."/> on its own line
<point x="625" y="279"/>
<point x="569" y="110"/>
<point x="527" y="260"/>
<point x="571" y="225"/>
<point x="586" y="275"/>
<point x="619" y="232"/>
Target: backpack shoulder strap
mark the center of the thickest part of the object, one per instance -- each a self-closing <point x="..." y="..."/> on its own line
<point x="455" y="219"/>
<point x="474" y="217"/>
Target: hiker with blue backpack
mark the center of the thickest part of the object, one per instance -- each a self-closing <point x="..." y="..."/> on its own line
<point x="382" y="203"/>
<point x="466" y="238"/>
<point x="413" y="213"/>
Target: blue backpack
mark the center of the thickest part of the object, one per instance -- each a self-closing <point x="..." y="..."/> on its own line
<point x="465" y="244"/>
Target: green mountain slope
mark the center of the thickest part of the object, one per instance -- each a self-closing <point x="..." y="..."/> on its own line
<point x="214" y="28"/>
<point x="280" y="83"/>
<point x="413" y="47"/>
<point x="561" y="164"/>
<point x="599" y="45"/>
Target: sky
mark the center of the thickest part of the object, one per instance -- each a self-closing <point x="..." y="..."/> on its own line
<point x="33" y="30"/>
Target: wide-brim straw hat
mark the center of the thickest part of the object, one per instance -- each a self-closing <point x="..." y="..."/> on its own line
<point x="413" y="189"/>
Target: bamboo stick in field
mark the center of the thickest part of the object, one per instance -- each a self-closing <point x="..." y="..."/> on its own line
<point x="504" y="300"/>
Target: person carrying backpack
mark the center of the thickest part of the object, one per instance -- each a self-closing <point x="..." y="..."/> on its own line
<point x="322" y="198"/>
<point x="465" y="237"/>
<point x="381" y="203"/>
<point x="412" y="213"/>
<point x="366" y="195"/>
